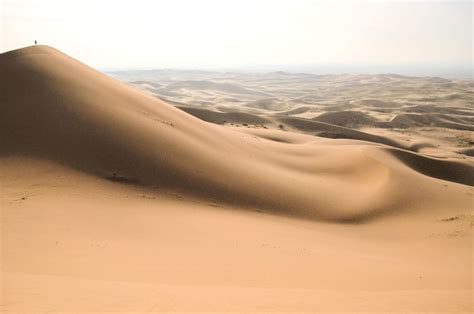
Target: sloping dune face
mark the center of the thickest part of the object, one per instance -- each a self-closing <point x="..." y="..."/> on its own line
<point x="56" y="108"/>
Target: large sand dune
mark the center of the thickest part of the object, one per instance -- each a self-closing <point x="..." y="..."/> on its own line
<point x="81" y="118"/>
<point x="107" y="144"/>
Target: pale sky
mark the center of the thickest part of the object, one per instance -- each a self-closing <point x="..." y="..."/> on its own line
<point x="233" y="33"/>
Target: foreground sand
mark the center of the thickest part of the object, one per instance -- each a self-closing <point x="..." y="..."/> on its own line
<point x="72" y="242"/>
<point x="115" y="201"/>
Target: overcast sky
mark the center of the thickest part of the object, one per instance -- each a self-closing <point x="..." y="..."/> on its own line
<point x="233" y="33"/>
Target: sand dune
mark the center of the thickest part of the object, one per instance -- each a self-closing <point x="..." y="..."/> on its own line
<point x="468" y="152"/>
<point x="83" y="119"/>
<point x="335" y="131"/>
<point x="298" y="110"/>
<point x="350" y="119"/>
<point x="381" y="97"/>
<point x="436" y="109"/>
<point x="205" y="85"/>
<point x="225" y="117"/>
<point x="271" y="104"/>
<point x="406" y="120"/>
<point x="378" y="103"/>
<point x="100" y="177"/>
<point x="76" y="243"/>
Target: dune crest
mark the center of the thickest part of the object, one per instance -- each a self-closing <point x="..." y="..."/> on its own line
<point x="56" y="108"/>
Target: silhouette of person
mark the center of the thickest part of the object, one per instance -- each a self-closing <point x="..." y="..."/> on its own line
<point x="35" y="42"/>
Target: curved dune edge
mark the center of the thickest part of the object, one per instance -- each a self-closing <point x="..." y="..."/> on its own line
<point x="73" y="242"/>
<point x="58" y="109"/>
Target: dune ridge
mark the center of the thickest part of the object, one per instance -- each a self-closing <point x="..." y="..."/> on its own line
<point x="56" y="108"/>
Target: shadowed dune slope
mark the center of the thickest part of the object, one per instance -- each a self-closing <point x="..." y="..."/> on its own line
<point x="437" y="168"/>
<point x="56" y="108"/>
<point x="335" y="131"/>
<point x="349" y="119"/>
<point x="407" y="120"/>
<point x="223" y="117"/>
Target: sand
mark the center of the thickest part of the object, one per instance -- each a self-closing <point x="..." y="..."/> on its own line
<point x="419" y="112"/>
<point x="113" y="200"/>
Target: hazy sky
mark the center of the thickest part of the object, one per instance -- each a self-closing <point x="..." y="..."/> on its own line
<point x="208" y="33"/>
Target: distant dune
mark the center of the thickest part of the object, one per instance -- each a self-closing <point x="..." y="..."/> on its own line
<point x="205" y="85"/>
<point x="437" y="109"/>
<point x="225" y="117"/>
<point x="269" y="104"/>
<point x="378" y="103"/>
<point x="350" y="119"/>
<point x="332" y="98"/>
<point x="114" y="200"/>
<point x="406" y="120"/>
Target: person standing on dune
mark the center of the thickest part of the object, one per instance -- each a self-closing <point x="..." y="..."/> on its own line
<point x="35" y="42"/>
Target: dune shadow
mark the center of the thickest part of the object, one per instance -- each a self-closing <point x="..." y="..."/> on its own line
<point x="448" y="170"/>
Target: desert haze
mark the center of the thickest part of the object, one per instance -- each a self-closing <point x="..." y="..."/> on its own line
<point x="179" y="190"/>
